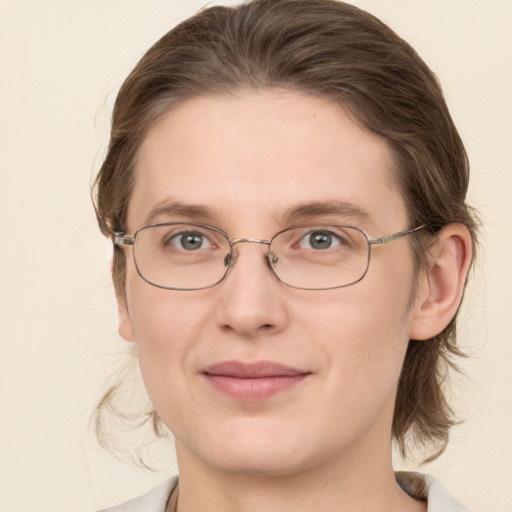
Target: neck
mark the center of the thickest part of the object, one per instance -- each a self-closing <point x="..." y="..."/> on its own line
<point x="338" y="485"/>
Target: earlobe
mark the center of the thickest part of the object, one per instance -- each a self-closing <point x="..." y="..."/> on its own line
<point x="441" y="286"/>
<point x="124" y="321"/>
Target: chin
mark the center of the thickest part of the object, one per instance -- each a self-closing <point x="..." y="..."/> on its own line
<point x="256" y="463"/>
<point x="257" y="451"/>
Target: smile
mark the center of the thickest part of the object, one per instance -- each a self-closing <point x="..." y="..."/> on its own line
<point x="253" y="381"/>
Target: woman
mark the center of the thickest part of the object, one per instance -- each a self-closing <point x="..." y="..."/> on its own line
<point x="259" y="156"/>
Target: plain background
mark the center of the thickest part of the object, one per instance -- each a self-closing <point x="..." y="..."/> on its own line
<point x="61" y="63"/>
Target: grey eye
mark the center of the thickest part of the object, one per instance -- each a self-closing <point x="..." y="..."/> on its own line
<point x="189" y="241"/>
<point x="320" y="240"/>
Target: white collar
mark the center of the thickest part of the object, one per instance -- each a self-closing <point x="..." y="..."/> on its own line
<point x="417" y="485"/>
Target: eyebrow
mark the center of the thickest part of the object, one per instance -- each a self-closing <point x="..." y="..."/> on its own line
<point x="178" y="209"/>
<point x="309" y="211"/>
<point x="303" y="212"/>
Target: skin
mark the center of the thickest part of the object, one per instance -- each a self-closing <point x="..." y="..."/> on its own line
<point x="323" y="444"/>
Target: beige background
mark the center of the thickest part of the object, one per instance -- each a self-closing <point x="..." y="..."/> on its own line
<point x="61" y="63"/>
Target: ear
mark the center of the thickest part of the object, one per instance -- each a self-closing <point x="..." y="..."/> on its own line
<point x="441" y="286"/>
<point x="124" y="321"/>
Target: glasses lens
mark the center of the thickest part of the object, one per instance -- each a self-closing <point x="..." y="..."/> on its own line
<point x="181" y="256"/>
<point x="320" y="257"/>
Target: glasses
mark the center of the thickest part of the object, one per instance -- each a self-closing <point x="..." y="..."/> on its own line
<point x="180" y="256"/>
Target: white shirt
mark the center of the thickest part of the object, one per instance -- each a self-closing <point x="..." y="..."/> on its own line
<point x="415" y="484"/>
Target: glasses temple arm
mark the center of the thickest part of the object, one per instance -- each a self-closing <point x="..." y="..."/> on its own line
<point x="121" y="239"/>
<point x="388" y="238"/>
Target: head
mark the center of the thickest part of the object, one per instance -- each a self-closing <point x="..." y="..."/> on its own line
<point x="335" y="54"/>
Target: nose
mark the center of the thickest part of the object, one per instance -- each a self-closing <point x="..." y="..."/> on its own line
<point x="251" y="298"/>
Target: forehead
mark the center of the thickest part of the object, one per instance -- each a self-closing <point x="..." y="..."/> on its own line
<point x="264" y="154"/>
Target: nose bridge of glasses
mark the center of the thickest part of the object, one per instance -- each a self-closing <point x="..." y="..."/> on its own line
<point x="231" y="258"/>
<point x="248" y="240"/>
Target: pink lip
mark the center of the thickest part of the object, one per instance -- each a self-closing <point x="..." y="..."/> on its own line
<point x="252" y="381"/>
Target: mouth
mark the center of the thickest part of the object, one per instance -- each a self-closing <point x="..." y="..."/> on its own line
<point x="253" y="381"/>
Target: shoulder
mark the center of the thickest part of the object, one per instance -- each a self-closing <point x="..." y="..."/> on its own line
<point x="428" y="488"/>
<point x="152" y="501"/>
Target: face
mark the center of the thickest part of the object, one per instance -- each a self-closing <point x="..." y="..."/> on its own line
<point x="253" y="376"/>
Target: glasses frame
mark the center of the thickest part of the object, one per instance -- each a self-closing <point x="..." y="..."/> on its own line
<point x="120" y="239"/>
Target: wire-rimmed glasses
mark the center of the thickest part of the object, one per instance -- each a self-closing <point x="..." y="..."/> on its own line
<point x="184" y="256"/>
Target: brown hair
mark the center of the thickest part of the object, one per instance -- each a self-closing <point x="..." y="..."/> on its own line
<point x="336" y="51"/>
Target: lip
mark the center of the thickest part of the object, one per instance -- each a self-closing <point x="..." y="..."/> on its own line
<point x="253" y="381"/>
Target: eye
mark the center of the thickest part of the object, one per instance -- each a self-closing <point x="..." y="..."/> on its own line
<point x="189" y="241"/>
<point x="320" y="240"/>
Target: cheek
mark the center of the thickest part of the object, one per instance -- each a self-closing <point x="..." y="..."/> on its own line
<point x="363" y="331"/>
<point x="165" y="326"/>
